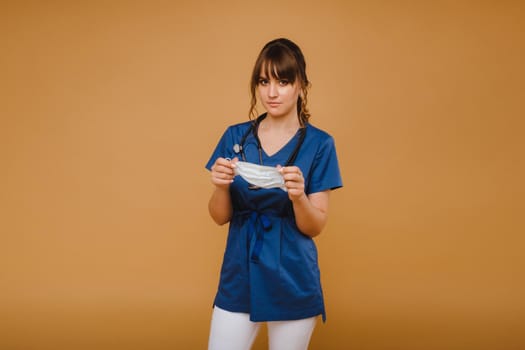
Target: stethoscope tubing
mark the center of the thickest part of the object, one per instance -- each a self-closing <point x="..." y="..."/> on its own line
<point x="254" y="128"/>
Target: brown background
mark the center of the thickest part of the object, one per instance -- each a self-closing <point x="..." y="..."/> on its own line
<point x="109" y="111"/>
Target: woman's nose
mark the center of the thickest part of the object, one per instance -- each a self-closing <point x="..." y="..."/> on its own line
<point x="273" y="90"/>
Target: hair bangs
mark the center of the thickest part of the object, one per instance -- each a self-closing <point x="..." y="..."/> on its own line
<point x="277" y="63"/>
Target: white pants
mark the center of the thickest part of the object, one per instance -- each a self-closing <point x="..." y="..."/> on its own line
<point x="235" y="331"/>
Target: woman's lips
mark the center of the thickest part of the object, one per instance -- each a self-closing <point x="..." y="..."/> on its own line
<point x="273" y="104"/>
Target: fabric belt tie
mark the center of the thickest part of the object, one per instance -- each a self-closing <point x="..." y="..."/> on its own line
<point x="259" y="223"/>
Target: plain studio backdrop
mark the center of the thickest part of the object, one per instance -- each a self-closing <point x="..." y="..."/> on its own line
<point x="110" y="109"/>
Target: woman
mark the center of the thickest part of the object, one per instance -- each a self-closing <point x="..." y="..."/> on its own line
<point x="270" y="271"/>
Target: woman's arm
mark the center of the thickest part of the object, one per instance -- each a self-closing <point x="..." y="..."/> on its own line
<point x="220" y="206"/>
<point x="311" y="212"/>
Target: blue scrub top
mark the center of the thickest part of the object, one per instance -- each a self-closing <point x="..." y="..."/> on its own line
<point x="270" y="268"/>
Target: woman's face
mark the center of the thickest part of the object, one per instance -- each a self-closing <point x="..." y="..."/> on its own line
<point x="278" y="96"/>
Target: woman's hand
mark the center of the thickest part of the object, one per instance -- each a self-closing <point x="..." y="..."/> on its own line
<point x="294" y="181"/>
<point x="310" y="210"/>
<point x="222" y="172"/>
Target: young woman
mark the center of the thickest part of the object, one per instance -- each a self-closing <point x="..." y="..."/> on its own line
<point x="270" y="271"/>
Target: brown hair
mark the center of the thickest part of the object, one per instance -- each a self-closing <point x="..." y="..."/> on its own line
<point x="281" y="59"/>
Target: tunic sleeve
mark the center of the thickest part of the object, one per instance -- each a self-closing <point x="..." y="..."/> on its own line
<point x="325" y="174"/>
<point x="223" y="148"/>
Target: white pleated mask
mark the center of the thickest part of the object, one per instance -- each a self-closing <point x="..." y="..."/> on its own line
<point x="260" y="175"/>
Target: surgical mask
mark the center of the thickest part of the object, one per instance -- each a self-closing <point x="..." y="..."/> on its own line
<point x="260" y="175"/>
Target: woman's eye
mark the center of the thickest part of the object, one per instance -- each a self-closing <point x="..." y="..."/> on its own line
<point x="283" y="82"/>
<point x="263" y="82"/>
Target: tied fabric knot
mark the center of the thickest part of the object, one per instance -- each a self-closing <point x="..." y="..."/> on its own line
<point x="258" y="224"/>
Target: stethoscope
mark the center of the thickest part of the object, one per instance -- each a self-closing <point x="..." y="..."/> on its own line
<point x="238" y="148"/>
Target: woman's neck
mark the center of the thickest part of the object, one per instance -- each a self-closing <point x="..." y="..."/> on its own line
<point x="287" y="123"/>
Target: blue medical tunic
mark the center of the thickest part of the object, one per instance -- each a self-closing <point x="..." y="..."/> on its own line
<point x="270" y="268"/>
